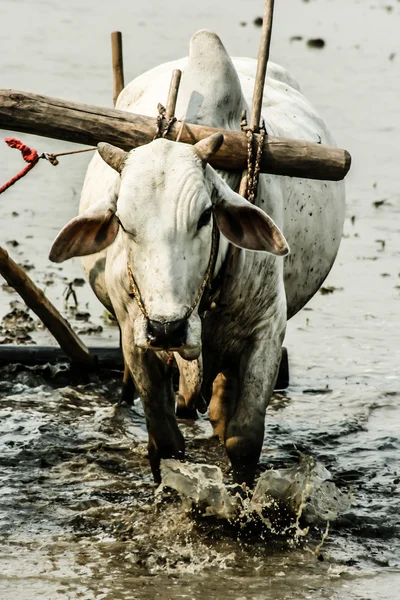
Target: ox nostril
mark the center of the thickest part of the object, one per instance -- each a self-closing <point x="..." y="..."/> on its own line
<point x="167" y="334"/>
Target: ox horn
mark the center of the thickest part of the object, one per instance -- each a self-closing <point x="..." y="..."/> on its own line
<point x="208" y="146"/>
<point x="113" y="156"/>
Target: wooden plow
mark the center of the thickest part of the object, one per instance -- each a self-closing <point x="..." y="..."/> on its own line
<point x="86" y="124"/>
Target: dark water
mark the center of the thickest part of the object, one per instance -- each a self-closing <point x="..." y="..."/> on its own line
<point x="78" y="517"/>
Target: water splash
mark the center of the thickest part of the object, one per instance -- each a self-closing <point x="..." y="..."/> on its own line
<point x="302" y="491"/>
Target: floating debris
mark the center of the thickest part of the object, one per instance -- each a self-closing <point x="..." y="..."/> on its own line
<point x="92" y="329"/>
<point x="78" y="282"/>
<point x="329" y="289"/>
<point x="258" y="21"/>
<point x="379" y="203"/>
<point x="325" y="390"/>
<point x="316" y="43"/>
<point x="16" y="325"/>
<point x="296" y="38"/>
<point x="82" y="316"/>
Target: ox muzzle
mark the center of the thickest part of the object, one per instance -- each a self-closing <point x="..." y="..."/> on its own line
<point x="168" y="335"/>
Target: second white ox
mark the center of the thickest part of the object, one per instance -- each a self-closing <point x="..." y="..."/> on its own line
<point x="146" y="226"/>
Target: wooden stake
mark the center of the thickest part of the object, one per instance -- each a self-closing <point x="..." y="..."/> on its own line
<point x="233" y="253"/>
<point x="85" y="124"/>
<point x="34" y="297"/>
<point x="117" y="63"/>
<point x="262" y="61"/>
<point x="173" y="94"/>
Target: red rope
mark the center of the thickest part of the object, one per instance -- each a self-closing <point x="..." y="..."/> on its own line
<point x="28" y="154"/>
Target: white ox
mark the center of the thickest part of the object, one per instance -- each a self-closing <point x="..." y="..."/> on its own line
<point x="155" y="209"/>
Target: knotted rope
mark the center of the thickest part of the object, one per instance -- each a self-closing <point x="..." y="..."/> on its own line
<point x="135" y="293"/>
<point x="253" y="163"/>
<point x="160" y="130"/>
<point x="31" y="156"/>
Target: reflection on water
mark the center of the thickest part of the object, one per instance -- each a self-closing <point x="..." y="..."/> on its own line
<point x="78" y="517"/>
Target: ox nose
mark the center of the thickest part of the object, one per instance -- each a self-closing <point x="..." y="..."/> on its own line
<point x="168" y="335"/>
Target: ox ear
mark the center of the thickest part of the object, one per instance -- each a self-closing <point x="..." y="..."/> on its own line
<point x="244" y="224"/>
<point x="90" y="232"/>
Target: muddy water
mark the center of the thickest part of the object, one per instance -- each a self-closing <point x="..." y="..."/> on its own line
<point x="77" y="513"/>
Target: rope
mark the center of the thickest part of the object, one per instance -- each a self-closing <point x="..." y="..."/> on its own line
<point x="135" y="293"/>
<point x="160" y="131"/>
<point x="31" y="156"/>
<point x="253" y="164"/>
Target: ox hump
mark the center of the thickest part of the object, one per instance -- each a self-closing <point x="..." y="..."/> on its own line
<point x="211" y="82"/>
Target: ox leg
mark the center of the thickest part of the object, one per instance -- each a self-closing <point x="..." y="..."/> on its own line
<point x="245" y="432"/>
<point x="128" y="387"/>
<point x="153" y="381"/>
<point x="223" y="403"/>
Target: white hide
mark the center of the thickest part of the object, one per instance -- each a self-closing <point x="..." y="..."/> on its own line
<point x="162" y="193"/>
<point x="310" y="213"/>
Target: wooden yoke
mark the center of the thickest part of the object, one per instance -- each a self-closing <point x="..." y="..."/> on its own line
<point x="86" y="124"/>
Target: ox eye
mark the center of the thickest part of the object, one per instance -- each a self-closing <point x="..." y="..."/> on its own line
<point x="204" y="219"/>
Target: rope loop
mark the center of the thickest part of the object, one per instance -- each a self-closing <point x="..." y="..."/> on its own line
<point x="161" y="131"/>
<point x="253" y="163"/>
<point x="28" y="154"/>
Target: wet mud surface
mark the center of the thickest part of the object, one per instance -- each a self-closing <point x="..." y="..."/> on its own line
<point x="78" y="513"/>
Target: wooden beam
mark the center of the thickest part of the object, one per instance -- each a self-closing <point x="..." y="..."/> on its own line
<point x="117" y="63"/>
<point x="87" y="124"/>
<point x="34" y="297"/>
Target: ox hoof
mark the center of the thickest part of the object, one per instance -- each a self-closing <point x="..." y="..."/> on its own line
<point x="168" y="450"/>
<point x="185" y="412"/>
<point x="243" y="455"/>
<point x="282" y="381"/>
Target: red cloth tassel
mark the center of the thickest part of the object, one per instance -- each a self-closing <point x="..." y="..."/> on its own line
<point x="29" y="155"/>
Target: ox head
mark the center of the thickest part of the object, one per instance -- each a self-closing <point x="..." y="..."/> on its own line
<point x="161" y="223"/>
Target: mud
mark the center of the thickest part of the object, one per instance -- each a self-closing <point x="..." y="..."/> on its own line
<point x="79" y="517"/>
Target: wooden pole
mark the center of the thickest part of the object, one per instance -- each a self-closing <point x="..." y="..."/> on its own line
<point x="34" y="297"/>
<point x="86" y="124"/>
<point x="262" y="61"/>
<point x="117" y="63"/>
<point x="173" y="93"/>
<point x="232" y="256"/>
